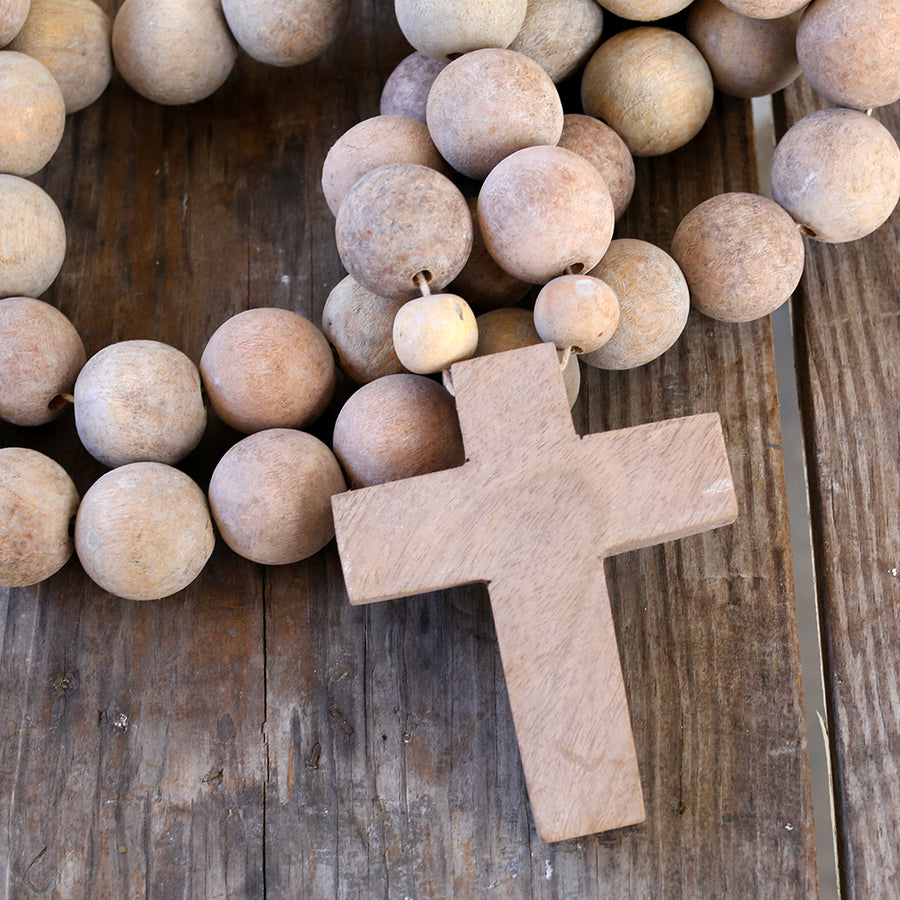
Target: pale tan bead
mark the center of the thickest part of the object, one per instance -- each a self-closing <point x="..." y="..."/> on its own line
<point x="286" y="34"/>
<point x="33" y="114"/>
<point x="837" y="172"/>
<point x="12" y="17"/>
<point x="173" y="52"/>
<point x="271" y="493"/>
<point x="644" y="10"/>
<point x="576" y="312"/>
<point x="372" y="143"/>
<point x="41" y="355"/>
<point x="72" y="39"/>
<point x="143" y="531"/>
<point x="397" y="427"/>
<point x="654" y="302"/>
<point x="32" y="238"/>
<point x="38" y="502"/>
<point x="431" y="333"/>
<point x="544" y="210"/>
<point x="766" y="9"/>
<point x="405" y="93"/>
<point x="652" y="86"/>
<point x="268" y="368"/>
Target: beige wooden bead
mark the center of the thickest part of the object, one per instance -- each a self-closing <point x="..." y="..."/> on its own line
<point x="41" y="354"/>
<point x="644" y="10"/>
<point x="837" y="172"/>
<point x="173" y="52"/>
<point x="359" y="326"/>
<point x="431" y="333"/>
<point x="370" y="144"/>
<point x="12" y="17"/>
<point x="405" y="93"/>
<point x="72" y="39"/>
<point x="652" y="86"/>
<point x="271" y="493"/>
<point x="397" y="427"/>
<point x="766" y="9"/>
<point x="399" y="221"/>
<point x="544" y="210"/>
<point x="268" y="368"/>
<point x="742" y="256"/>
<point x="654" y="302"/>
<point x="143" y="531"/>
<point x="487" y="104"/>
<point x="139" y="401"/>
<point x="446" y="29"/>
<point x="33" y="114"/>
<point x="32" y="239"/>
<point x="600" y="145"/>
<point x="576" y="312"/>
<point x="286" y="34"/>
<point x="850" y="51"/>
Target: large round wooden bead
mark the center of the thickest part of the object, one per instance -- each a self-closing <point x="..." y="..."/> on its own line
<point x="654" y="303"/>
<point x="398" y="222"/>
<point x="405" y="93"/>
<point x="286" y="34"/>
<point x="372" y="143"/>
<point x="32" y="238"/>
<point x="837" y="172"/>
<point x="652" y="86"/>
<point x="12" y="17"/>
<point x="271" y="493"/>
<point x="765" y="9"/>
<point x="397" y="427"/>
<point x="576" y="312"/>
<point x="431" y="333"/>
<point x="173" y="52"/>
<point x="747" y="57"/>
<point x="488" y="104"/>
<point x="268" y="368"/>
<point x="34" y="114"/>
<point x="742" y="256"/>
<point x="41" y="354"/>
<point x="446" y="29"/>
<point x="143" y="531"/>
<point x="38" y="502"/>
<point x="139" y="401"/>
<point x="600" y="145"/>
<point x="72" y="39"/>
<point x="644" y="10"/>
<point x="850" y="51"/>
<point x="544" y="210"/>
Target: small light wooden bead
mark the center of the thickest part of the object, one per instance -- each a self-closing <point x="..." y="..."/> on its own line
<point x="12" y="17"/>
<point x="172" y="52"/>
<point x="765" y="9"/>
<point x="644" y="10"/>
<point x="600" y="145"/>
<point x="41" y="354"/>
<point x="34" y="114"/>
<point x="487" y="104"/>
<point x="431" y="333"/>
<point x="652" y="86"/>
<point x="286" y="34"/>
<point x="32" y="238"/>
<point x="397" y="427"/>
<point x="742" y="256"/>
<point x="372" y="143"/>
<point x="445" y="29"/>
<point x="143" y="531"/>
<point x="576" y="312"/>
<point x="850" y="51"/>
<point x="72" y="39"/>
<point x="654" y="303"/>
<point x="268" y="368"/>
<point x="271" y="493"/>
<point x="399" y="221"/>
<point x="837" y="172"/>
<point x="38" y="502"/>
<point x="405" y="93"/>
<point x="544" y="210"/>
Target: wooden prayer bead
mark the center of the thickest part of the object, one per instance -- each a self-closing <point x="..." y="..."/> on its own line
<point x="765" y="9"/>
<point x="652" y="86"/>
<point x="488" y="104"/>
<point x="645" y="10"/>
<point x="576" y="312"/>
<point x="431" y="333"/>
<point x="12" y="17"/>
<point x="271" y="493"/>
<point x="143" y="531"/>
<point x="41" y="354"/>
<point x="837" y="172"/>
<point x="405" y="93"/>
<point x="742" y="256"/>
<point x="38" y="502"/>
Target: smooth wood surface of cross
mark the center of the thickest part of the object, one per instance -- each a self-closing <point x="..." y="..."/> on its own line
<point x="533" y="512"/>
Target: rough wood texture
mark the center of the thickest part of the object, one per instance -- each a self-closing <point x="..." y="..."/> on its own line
<point x="260" y="736"/>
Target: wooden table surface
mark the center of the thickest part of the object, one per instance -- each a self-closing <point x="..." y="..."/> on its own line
<point x="256" y="736"/>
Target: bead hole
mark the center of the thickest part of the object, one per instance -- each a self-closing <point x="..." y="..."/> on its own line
<point x="59" y="401"/>
<point x="575" y="268"/>
<point x="804" y="229"/>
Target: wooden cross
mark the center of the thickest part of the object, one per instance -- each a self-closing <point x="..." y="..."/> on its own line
<point x="533" y="512"/>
